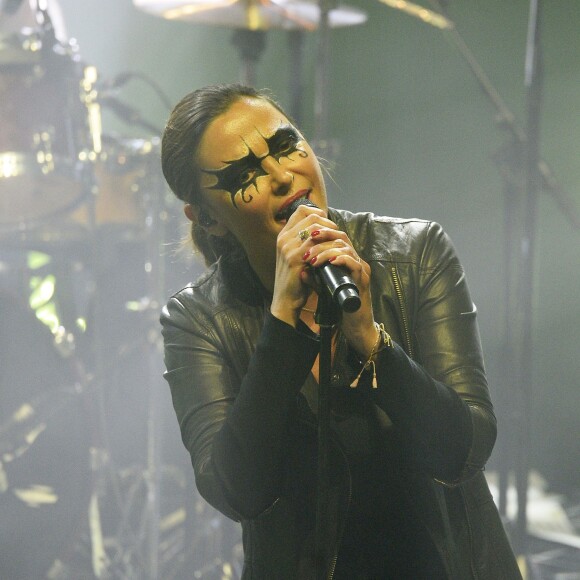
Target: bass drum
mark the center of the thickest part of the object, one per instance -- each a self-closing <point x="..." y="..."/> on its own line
<point x="45" y="138"/>
<point x="44" y="447"/>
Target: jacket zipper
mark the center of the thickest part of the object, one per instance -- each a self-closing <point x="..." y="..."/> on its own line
<point x="332" y="566"/>
<point x="399" y="291"/>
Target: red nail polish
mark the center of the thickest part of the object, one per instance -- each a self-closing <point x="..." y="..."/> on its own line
<point x="314" y="233"/>
<point x="305" y="257"/>
<point x="313" y="261"/>
<point x="332" y="259"/>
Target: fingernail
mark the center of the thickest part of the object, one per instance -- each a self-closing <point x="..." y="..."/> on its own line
<point x="313" y="261"/>
<point x="332" y="259"/>
<point x="305" y="257"/>
<point x="314" y="233"/>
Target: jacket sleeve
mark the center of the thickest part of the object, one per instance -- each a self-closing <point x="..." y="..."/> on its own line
<point x="235" y="431"/>
<point x="441" y="406"/>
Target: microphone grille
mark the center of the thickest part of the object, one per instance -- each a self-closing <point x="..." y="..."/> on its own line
<point x="296" y="204"/>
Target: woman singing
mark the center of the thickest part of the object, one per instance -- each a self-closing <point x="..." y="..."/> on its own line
<point x="412" y="424"/>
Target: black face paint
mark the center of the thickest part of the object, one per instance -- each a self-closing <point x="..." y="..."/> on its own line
<point x="240" y="174"/>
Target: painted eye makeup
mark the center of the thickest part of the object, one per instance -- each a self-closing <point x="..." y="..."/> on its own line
<point x="238" y="176"/>
<point x="284" y="142"/>
<point x="241" y="174"/>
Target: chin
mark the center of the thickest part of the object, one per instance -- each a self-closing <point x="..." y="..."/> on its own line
<point x="319" y="199"/>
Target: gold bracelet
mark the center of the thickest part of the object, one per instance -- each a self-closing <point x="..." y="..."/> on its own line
<point x="383" y="340"/>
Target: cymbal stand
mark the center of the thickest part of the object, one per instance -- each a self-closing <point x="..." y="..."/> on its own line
<point x="322" y="72"/>
<point x="296" y="82"/>
<point x="155" y="275"/>
<point x="506" y="120"/>
<point x="523" y="171"/>
<point x="135" y="540"/>
<point x="102" y="468"/>
<point x="250" y="45"/>
<point x="154" y="268"/>
<point x="533" y="82"/>
<point x="324" y="146"/>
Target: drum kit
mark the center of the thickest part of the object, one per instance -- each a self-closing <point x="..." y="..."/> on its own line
<point x="76" y="206"/>
<point x="72" y="502"/>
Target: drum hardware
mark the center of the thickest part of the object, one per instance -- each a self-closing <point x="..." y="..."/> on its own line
<point x="62" y="170"/>
<point x="123" y="538"/>
<point x="251" y="14"/>
<point x="128" y="198"/>
<point x="111" y="87"/>
<point x="50" y="131"/>
<point x="114" y="513"/>
<point x="114" y="212"/>
<point x="89" y="97"/>
<point x="30" y="419"/>
<point x="118" y="209"/>
<point x="127" y="113"/>
<point x="251" y="19"/>
<point x="140" y="537"/>
<point x="22" y="435"/>
<point x="116" y="520"/>
<point x="525" y="174"/>
<point x="436" y="19"/>
<point x="269" y="14"/>
<point x="107" y="92"/>
<point x="44" y="442"/>
<point x="114" y="543"/>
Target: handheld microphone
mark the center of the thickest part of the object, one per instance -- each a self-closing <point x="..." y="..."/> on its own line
<point x="334" y="278"/>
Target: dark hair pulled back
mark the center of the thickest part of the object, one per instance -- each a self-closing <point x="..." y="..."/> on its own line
<point x="181" y="139"/>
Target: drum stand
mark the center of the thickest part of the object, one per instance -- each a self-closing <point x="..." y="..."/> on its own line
<point x="151" y="543"/>
<point x="525" y="175"/>
<point x="144" y="540"/>
<point x="154" y="268"/>
<point x="145" y="543"/>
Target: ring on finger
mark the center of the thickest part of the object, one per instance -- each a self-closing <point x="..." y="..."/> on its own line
<point x="304" y="235"/>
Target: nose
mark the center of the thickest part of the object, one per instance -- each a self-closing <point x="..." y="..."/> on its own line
<point x="281" y="178"/>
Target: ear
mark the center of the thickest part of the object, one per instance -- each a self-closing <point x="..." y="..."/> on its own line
<point x="212" y="225"/>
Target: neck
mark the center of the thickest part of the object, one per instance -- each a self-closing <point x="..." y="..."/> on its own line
<point x="265" y="269"/>
<point x="311" y="303"/>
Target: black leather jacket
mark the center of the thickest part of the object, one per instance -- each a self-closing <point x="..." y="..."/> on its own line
<point x="244" y="400"/>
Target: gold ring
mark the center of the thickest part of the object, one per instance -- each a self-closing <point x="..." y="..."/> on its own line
<point x="303" y="235"/>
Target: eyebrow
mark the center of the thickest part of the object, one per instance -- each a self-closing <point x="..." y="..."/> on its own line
<point x="250" y="159"/>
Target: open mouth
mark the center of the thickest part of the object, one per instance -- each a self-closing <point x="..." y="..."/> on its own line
<point x="282" y="214"/>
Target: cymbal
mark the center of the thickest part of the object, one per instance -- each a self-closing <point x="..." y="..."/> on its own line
<point x="427" y="16"/>
<point x="252" y="14"/>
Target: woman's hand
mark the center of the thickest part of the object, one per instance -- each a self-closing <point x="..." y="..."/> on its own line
<point x="292" y="285"/>
<point x="333" y="245"/>
<point x="294" y="279"/>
